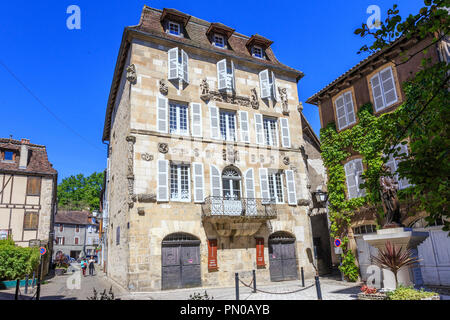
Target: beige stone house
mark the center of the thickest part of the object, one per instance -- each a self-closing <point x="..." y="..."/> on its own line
<point x="27" y="193"/>
<point x="205" y="173"/>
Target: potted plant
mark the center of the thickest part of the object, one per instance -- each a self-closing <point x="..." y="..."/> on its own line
<point x="370" y="293"/>
<point x="61" y="263"/>
<point x="393" y="259"/>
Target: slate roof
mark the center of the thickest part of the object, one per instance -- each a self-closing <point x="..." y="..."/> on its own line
<point x="73" y="217"/>
<point x="38" y="162"/>
<point x="196" y="36"/>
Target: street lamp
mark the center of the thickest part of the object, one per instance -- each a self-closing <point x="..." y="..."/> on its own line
<point x="321" y="196"/>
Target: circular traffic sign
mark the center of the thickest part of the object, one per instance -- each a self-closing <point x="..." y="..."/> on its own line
<point x="42" y="250"/>
<point x="337" y="242"/>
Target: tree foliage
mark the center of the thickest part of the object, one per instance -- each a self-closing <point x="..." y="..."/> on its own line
<point x="80" y="192"/>
<point x="424" y="116"/>
<point x="17" y="262"/>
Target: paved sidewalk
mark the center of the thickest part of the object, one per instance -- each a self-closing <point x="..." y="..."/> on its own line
<point x="65" y="287"/>
<point x="331" y="290"/>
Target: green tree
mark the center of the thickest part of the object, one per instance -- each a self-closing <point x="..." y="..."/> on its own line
<point x="80" y="192"/>
<point x="424" y="116"/>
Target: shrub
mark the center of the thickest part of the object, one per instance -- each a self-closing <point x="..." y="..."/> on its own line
<point x="17" y="262"/>
<point x="409" y="293"/>
<point x="349" y="268"/>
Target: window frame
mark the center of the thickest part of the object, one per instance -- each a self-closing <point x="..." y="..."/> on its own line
<point x="254" y="48"/>
<point x="396" y="162"/>
<point x="272" y="180"/>
<point x="172" y="23"/>
<point x="34" y="227"/>
<point x="227" y="128"/>
<point x="272" y="135"/>
<point x="217" y="35"/>
<point x="346" y="113"/>
<point x="179" y="181"/>
<point x="383" y="95"/>
<point x="77" y="228"/>
<point x="4" y="152"/>
<point x="178" y="106"/>
<point x="75" y="240"/>
<point x="359" y="191"/>
<point x="29" y="186"/>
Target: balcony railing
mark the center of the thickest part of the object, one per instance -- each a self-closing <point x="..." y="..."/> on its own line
<point x="243" y="207"/>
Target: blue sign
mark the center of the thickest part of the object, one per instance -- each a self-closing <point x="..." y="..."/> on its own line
<point x="337" y="242"/>
<point x="42" y="250"/>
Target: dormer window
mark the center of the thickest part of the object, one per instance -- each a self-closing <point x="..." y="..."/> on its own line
<point x="219" y="41"/>
<point x="7" y="155"/>
<point x="174" y="28"/>
<point x="257" y="52"/>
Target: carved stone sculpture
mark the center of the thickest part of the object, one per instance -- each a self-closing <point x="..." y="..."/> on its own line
<point x="131" y="73"/>
<point x="147" y="157"/>
<point x="286" y="160"/>
<point x="163" y="147"/>
<point x="284" y="100"/>
<point x="389" y="197"/>
<point x="130" y="176"/>
<point x="205" y="87"/>
<point x="300" y="107"/>
<point x="163" y="87"/>
<point x="254" y="99"/>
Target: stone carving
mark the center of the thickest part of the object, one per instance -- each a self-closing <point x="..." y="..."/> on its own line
<point x="130" y="176"/>
<point x="204" y="86"/>
<point x="163" y="87"/>
<point x="303" y="202"/>
<point x="226" y="97"/>
<point x="196" y="152"/>
<point x="146" y="157"/>
<point x="146" y="197"/>
<point x="163" y="147"/>
<point x="230" y="155"/>
<point x="390" y="200"/>
<point x="284" y="100"/>
<point x="254" y="99"/>
<point x="131" y="73"/>
<point x="300" y="107"/>
<point x="286" y="160"/>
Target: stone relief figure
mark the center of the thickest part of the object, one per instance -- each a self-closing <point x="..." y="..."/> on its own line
<point x="389" y="197"/>
<point x="204" y="86"/>
<point x="254" y="99"/>
<point x="163" y="147"/>
<point x="163" y="87"/>
<point x="284" y="100"/>
<point x="131" y="73"/>
<point x="300" y="107"/>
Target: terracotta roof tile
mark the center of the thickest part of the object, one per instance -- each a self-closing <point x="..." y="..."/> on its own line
<point x="73" y="217"/>
<point x="37" y="158"/>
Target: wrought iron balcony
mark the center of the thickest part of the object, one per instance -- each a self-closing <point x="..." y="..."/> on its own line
<point x="243" y="207"/>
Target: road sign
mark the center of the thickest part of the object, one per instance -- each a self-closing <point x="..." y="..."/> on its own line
<point x="42" y="250"/>
<point x="337" y="242"/>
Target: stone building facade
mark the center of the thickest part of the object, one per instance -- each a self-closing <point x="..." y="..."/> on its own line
<point x="27" y="194"/>
<point x="205" y="170"/>
<point x="76" y="234"/>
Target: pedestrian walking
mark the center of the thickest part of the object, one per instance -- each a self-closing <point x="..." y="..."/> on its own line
<point x="83" y="266"/>
<point x="91" y="266"/>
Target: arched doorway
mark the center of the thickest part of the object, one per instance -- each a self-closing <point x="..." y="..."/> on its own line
<point x="282" y="257"/>
<point x="180" y="254"/>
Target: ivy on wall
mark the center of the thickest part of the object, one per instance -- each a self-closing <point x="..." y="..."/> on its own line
<point x="367" y="138"/>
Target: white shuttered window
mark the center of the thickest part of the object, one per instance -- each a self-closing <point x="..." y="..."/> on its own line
<point x="353" y="170"/>
<point x="244" y="126"/>
<point x="215" y="181"/>
<point x="162" y="105"/>
<point x="199" y="182"/>
<point x="383" y="89"/>
<point x="163" y="180"/>
<point x="196" y="119"/>
<point x="345" y="113"/>
<point x="392" y="163"/>
<point x="178" y="65"/>
<point x="214" y="122"/>
<point x="264" y="185"/>
<point x="285" y="135"/>
<point x="259" y="128"/>
<point x="225" y="76"/>
<point x="290" y="184"/>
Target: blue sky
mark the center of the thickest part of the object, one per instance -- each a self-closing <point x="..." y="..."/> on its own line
<point x="71" y="71"/>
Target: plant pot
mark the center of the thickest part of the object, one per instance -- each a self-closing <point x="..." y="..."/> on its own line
<point x="371" y="296"/>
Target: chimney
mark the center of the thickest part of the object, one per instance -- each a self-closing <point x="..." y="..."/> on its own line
<point x="24" y="154"/>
